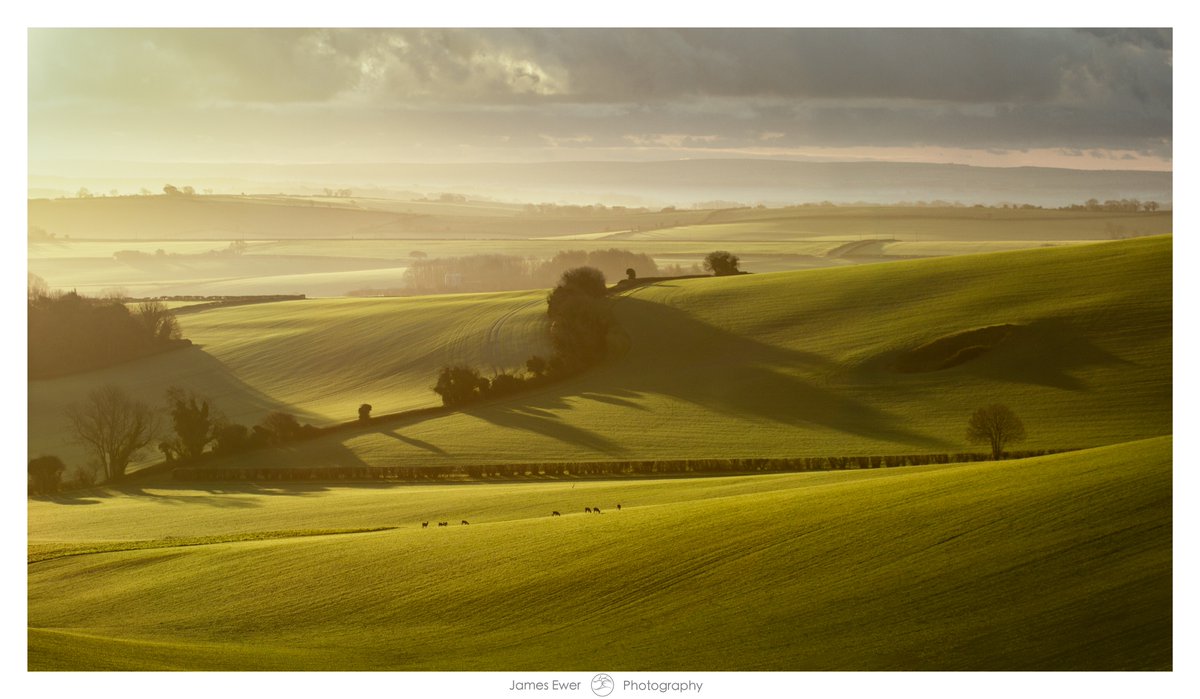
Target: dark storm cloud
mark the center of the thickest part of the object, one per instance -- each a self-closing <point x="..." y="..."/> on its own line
<point x="973" y="88"/>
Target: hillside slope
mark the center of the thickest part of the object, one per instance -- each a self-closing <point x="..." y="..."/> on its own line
<point x="802" y="363"/>
<point x="809" y="364"/>
<point x="1054" y="563"/>
<point x="317" y="359"/>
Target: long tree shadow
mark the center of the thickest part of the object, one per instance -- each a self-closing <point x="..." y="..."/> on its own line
<point x="676" y="355"/>
<point x="542" y="420"/>
<point x="418" y="443"/>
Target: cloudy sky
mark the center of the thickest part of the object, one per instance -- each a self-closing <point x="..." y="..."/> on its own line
<point x="1091" y="99"/>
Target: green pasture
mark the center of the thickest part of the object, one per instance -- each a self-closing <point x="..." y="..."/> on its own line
<point x="806" y="363"/>
<point x="1054" y="563"/>
<point x="784" y="364"/>
<point x="317" y="359"/>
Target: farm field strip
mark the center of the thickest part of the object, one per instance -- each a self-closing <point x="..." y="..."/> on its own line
<point x="986" y="563"/>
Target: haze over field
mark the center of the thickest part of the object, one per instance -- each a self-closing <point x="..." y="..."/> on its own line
<point x="633" y="349"/>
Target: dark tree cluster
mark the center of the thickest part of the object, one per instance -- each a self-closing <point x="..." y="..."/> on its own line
<point x="45" y="475"/>
<point x="69" y="333"/>
<point x="276" y="429"/>
<point x="579" y="317"/>
<point x="721" y="263"/>
<point x="114" y="428"/>
<point x="460" y="385"/>
<point x="580" y="320"/>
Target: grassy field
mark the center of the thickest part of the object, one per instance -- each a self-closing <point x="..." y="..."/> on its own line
<point x="908" y="223"/>
<point x="329" y="247"/>
<point x="317" y="359"/>
<point x="807" y="363"/>
<point x="787" y="364"/>
<point x="1060" y="562"/>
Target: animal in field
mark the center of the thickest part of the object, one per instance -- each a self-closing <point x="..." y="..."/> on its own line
<point x="424" y="525"/>
<point x="555" y="514"/>
<point x="443" y="524"/>
<point x="618" y="507"/>
<point x="587" y="509"/>
<point x="597" y="510"/>
<point x="465" y="522"/>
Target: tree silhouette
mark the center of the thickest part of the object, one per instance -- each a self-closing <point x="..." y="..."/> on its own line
<point x="158" y="320"/>
<point x="45" y="472"/>
<point x="192" y="418"/>
<point x="459" y="384"/>
<point x="721" y="263"/>
<point x="113" y="427"/>
<point x="997" y="426"/>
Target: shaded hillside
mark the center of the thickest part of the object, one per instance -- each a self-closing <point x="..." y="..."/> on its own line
<point x="803" y="364"/>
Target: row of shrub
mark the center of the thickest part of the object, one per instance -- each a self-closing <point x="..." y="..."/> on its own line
<point x="591" y="468"/>
<point x="228" y="438"/>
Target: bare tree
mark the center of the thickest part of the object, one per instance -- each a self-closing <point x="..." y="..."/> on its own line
<point x="38" y="288"/>
<point x="113" y="427"/>
<point x="997" y="426"/>
<point x="158" y="320"/>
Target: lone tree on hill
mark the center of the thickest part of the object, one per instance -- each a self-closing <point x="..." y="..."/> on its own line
<point x="113" y="427"/>
<point x="997" y="426"/>
<point x="721" y="263"/>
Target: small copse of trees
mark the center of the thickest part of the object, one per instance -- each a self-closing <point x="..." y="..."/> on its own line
<point x="458" y="385"/>
<point x="45" y="474"/>
<point x="579" y="318"/>
<point x="69" y="333"/>
<point x="721" y="263"/>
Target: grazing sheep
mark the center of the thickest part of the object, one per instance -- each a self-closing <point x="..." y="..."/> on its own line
<point x="555" y="514"/>
<point x="587" y="509"/>
<point x="465" y="522"/>
<point x="424" y="525"/>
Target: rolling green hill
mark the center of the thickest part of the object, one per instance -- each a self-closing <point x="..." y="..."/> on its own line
<point x="317" y="359"/>
<point x="802" y="363"/>
<point x="1055" y="563"/>
<point x="812" y="363"/>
